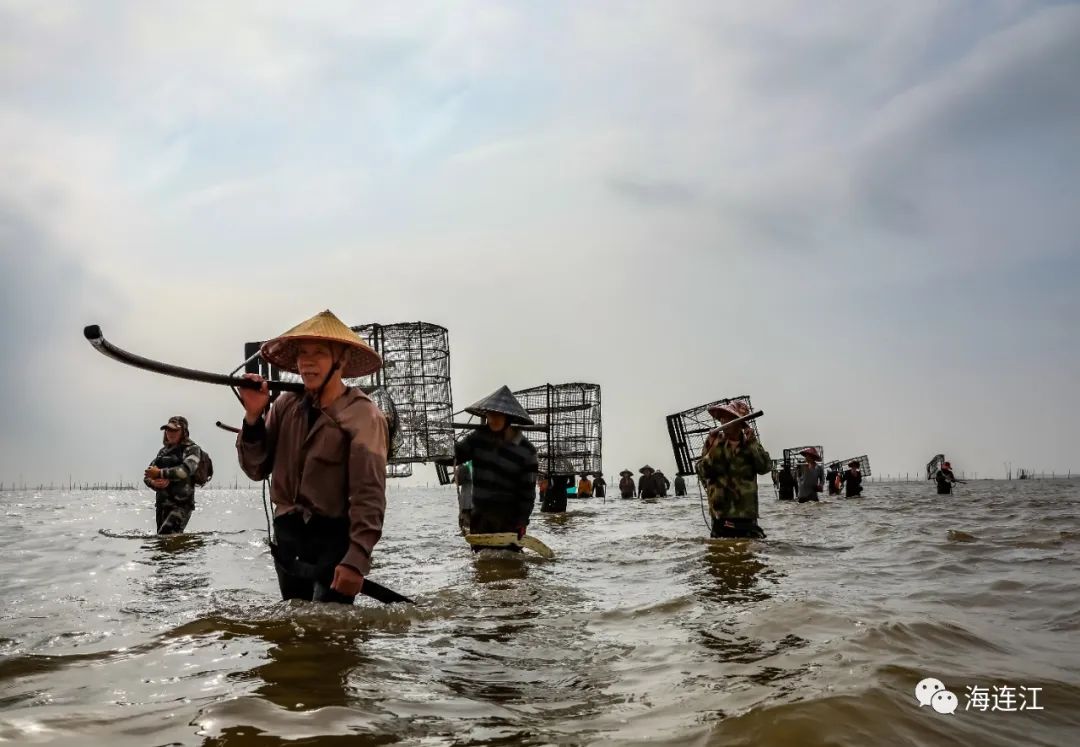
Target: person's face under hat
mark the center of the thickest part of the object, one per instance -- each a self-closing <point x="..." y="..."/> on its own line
<point x="314" y="361"/>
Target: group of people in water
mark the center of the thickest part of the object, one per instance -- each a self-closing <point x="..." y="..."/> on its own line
<point x="325" y="451"/>
<point x="805" y="480"/>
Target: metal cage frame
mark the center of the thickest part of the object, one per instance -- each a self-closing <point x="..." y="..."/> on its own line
<point x="688" y="430"/>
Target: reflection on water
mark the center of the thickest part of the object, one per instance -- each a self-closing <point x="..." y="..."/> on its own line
<point x="732" y="572"/>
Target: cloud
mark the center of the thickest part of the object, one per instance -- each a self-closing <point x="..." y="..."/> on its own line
<point x="679" y="203"/>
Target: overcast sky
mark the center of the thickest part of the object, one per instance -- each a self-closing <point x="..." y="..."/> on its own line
<point x="863" y="214"/>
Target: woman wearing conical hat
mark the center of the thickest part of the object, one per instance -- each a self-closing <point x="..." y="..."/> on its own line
<point x="599" y="485"/>
<point x="504" y="465"/>
<point x="626" y="484"/>
<point x="326" y="450"/>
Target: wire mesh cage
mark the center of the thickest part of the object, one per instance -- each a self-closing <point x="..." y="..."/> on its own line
<point x="864" y="464"/>
<point x="798" y="461"/>
<point x="572" y="443"/>
<point x="934" y="465"/>
<point x="689" y="428"/>
<point x="399" y="470"/>
<point x="412" y="388"/>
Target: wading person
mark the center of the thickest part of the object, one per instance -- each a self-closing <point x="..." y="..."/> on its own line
<point x="662" y="483"/>
<point x="584" y="486"/>
<point x="786" y="483"/>
<point x="832" y="478"/>
<point x="326" y="451"/>
<point x="504" y="466"/>
<point x="172" y="476"/>
<point x="852" y="479"/>
<point x="812" y="479"/>
<point x="945" y="479"/>
<point x="600" y="486"/>
<point x="648" y="487"/>
<point x="463" y="477"/>
<point x="626" y="484"/>
<point x="730" y="462"/>
<point x="680" y="486"/>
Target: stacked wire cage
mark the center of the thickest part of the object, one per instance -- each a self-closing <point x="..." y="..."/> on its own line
<point x="797" y="461"/>
<point x="934" y="465"/>
<point x="689" y="429"/>
<point x="412" y="388"/>
<point x="864" y="464"/>
<point x="571" y="443"/>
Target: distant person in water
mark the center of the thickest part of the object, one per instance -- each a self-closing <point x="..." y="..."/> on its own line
<point x="172" y="476"/>
<point x="680" y="486"/>
<point x="852" y="480"/>
<point x="945" y="479"/>
<point x="812" y="480"/>
<point x="662" y="483"/>
<point x="832" y="478"/>
<point x="626" y="484"/>
<point x="504" y="465"/>
<point x="584" y="486"/>
<point x="731" y="460"/>
<point x="647" y="483"/>
<point x="463" y="476"/>
<point x="785" y="481"/>
<point x="600" y="486"/>
<point x="555" y="498"/>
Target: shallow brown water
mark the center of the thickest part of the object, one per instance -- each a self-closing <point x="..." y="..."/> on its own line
<point x="639" y="631"/>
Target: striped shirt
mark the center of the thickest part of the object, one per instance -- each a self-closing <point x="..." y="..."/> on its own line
<point x="503" y="472"/>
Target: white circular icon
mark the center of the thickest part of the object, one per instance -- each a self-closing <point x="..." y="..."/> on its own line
<point x="944" y="702"/>
<point x="925" y="690"/>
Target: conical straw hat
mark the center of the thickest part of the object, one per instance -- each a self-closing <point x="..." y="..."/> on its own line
<point x="360" y="360"/>
<point x="504" y="402"/>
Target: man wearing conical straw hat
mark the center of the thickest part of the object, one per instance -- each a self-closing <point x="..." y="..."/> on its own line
<point x="504" y="466"/>
<point x="326" y="452"/>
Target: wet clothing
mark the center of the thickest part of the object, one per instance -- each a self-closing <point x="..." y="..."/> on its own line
<point x="504" y="479"/>
<point x="724" y="528"/>
<point x="328" y="470"/>
<point x="600" y="488"/>
<point x="809" y="481"/>
<point x="584" y="488"/>
<point x="786" y="482"/>
<point x="945" y="479"/>
<point x="172" y="518"/>
<point x="832" y="479"/>
<point x="176" y="502"/>
<point x="554" y="500"/>
<point x="663" y="484"/>
<point x="306" y="555"/>
<point x="463" y="477"/>
<point x="648" y="486"/>
<point x="626" y="487"/>
<point x="852" y="480"/>
<point x="729" y="472"/>
<point x="680" y="485"/>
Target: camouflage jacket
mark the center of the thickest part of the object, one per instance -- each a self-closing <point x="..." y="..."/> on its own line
<point x="730" y="477"/>
<point x="178" y="464"/>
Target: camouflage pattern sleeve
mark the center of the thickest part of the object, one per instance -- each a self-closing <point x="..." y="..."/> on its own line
<point x="760" y="458"/>
<point x="184" y="470"/>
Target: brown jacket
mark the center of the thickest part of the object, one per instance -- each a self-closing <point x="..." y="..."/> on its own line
<point x="338" y="465"/>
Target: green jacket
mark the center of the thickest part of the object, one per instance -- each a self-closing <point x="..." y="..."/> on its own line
<point x="730" y="478"/>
